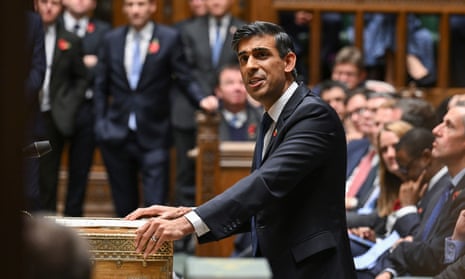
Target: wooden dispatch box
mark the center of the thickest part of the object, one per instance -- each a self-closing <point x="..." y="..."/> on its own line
<point x="112" y="248"/>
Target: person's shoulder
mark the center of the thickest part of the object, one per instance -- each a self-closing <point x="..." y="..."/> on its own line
<point x="100" y="25"/>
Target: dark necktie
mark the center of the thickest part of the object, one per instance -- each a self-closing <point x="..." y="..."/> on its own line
<point x="264" y="126"/>
<point x="76" y="29"/>
<point x="436" y="211"/>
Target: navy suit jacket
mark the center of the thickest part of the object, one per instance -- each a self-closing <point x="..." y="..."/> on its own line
<point x="425" y="258"/>
<point x="114" y="99"/>
<point x="296" y="196"/>
<point x="35" y="53"/>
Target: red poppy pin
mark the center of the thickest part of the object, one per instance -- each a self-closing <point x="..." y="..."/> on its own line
<point x="154" y="46"/>
<point x="90" y="27"/>
<point x="456" y="194"/>
<point x="275" y="132"/>
<point x="252" y="130"/>
<point x="63" y="44"/>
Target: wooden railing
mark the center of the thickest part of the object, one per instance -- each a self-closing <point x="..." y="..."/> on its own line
<point x="401" y="8"/>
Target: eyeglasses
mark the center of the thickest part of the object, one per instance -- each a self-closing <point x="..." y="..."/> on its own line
<point x="357" y="111"/>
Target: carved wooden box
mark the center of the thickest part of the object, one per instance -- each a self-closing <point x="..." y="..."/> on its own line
<point x="113" y="252"/>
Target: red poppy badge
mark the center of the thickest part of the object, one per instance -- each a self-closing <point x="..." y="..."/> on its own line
<point x="455" y="194"/>
<point x="275" y="132"/>
<point x="90" y="27"/>
<point x="63" y="44"/>
<point x="252" y="131"/>
<point x="154" y="46"/>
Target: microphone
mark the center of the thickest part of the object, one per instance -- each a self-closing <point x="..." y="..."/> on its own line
<point x="37" y="149"/>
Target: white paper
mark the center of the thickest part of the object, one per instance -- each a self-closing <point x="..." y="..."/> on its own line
<point x="369" y="258"/>
<point x="98" y="222"/>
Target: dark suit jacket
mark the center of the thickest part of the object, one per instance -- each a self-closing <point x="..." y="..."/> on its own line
<point x="425" y="258"/>
<point x="35" y="53"/>
<point x="68" y="80"/>
<point x="296" y="196"/>
<point x="454" y="271"/>
<point x="250" y="126"/>
<point x="198" y="54"/>
<point x="356" y="149"/>
<point x="114" y="99"/>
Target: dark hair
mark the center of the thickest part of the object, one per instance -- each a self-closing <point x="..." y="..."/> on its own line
<point x="222" y="69"/>
<point x="328" y="84"/>
<point x="284" y="43"/>
<point x="418" y="112"/>
<point x="415" y="141"/>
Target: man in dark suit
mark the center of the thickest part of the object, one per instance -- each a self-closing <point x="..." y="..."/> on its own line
<point x="293" y="201"/>
<point x="61" y="96"/>
<point x="425" y="257"/>
<point x="207" y="41"/>
<point x="35" y="53"/>
<point x="132" y="104"/>
<point x="81" y="149"/>
<point x="239" y="119"/>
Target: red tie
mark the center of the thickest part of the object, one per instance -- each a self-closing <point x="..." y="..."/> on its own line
<point x="363" y="170"/>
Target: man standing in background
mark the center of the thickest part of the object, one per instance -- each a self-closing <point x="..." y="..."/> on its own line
<point x="207" y="41"/>
<point x="61" y="96"/>
<point x="76" y="19"/>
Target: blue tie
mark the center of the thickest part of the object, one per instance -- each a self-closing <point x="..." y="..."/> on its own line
<point x="436" y="211"/>
<point x="264" y="126"/>
<point x="136" y="62"/>
<point x="217" y="46"/>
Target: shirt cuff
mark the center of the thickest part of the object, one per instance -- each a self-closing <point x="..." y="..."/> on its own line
<point x="199" y="226"/>
<point x="453" y="249"/>
<point x="392" y="271"/>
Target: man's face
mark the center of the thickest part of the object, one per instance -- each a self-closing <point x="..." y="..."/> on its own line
<point x="348" y="74"/>
<point x="79" y="8"/>
<point x="218" y="8"/>
<point x="264" y="72"/>
<point x="335" y="97"/>
<point x="49" y="10"/>
<point x="139" y="12"/>
<point x="408" y="167"/>
<point x="354" y="109"/>
<point x="449" y="145"/>
<point x="369" y="128"/>
<point x="198" y="7"/>
<point x="231" y="90"/>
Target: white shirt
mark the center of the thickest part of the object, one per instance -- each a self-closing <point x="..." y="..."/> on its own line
<point x="212" y="28"/>
<point x="50" y="42"/>
<point x="275" y="111"/>
<point x="145" y="36"/>
<point x="71" y="23"/>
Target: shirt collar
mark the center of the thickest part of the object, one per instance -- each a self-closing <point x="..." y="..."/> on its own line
<point x="436" y="177"/>
<point x="70" y="22"/>
<point x="145" y="33"/>
<point x="456" y="179"/>
<point x="278" y="106"/>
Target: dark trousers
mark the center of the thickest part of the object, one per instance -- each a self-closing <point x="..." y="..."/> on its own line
<point x="81" y="153"/>
<point x="184" y="140"/>
<point x="127" y="162"/>
<point x="49" y="166"/>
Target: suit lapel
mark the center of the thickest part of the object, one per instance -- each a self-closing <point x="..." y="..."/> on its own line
<point x="149" y="57"/>
<point x="289" y="108"/>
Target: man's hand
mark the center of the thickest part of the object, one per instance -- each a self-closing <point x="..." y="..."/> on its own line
<point x="151" y="235"/>
<point x="459" y="230"/>
<point x="209" y="103"/>
<point x="90" y="60"/>
<point x="162" y="211"/>
<point x="384" y="275"/>
<point x="364" y="232"/>
<point x="411" y="191"/>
